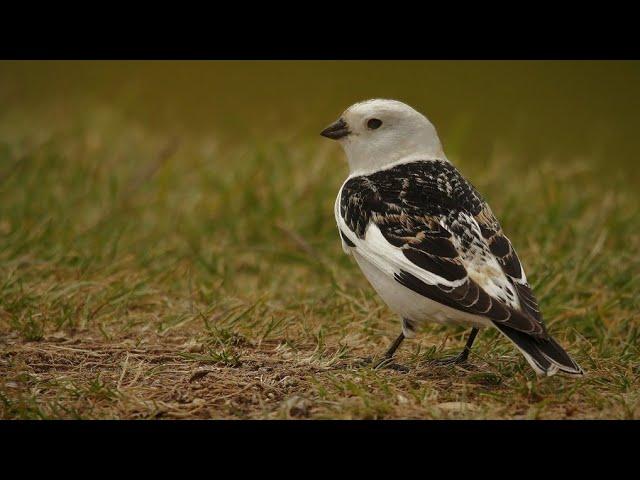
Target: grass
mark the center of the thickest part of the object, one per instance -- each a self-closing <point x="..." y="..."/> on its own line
<point x="146" y="276"/>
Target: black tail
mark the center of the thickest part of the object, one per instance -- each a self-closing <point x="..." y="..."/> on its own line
<point x="545" y="355"/>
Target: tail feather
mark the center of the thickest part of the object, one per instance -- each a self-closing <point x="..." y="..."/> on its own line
<point x="544" y="355"/>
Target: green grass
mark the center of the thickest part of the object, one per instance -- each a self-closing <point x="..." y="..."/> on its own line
<point x="147" y="276"/>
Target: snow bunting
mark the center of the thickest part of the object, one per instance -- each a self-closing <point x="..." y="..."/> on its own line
<point x="426" y="240"/>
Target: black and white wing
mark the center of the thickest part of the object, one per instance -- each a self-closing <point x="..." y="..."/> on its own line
<point x="425" y="225"/>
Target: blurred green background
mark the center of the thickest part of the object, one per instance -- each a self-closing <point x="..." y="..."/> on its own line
<point x="532" y="109"/>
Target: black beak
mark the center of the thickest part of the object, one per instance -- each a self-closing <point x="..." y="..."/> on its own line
<point x="336" y="130"/>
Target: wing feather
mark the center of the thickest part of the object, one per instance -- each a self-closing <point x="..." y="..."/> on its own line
<point x="429" y="228"/>
<point x="501" y="248"/>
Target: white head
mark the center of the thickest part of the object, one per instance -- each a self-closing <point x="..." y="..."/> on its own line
<point x="377" y="133"/>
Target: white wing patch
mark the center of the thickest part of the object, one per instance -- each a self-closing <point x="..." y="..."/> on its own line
<point x="481" y="265"/>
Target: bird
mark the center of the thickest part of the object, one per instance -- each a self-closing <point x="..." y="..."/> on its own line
<point x="427" y="241"/>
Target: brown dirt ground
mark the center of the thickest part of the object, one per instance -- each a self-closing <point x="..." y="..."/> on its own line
<point x="170" y="376"/>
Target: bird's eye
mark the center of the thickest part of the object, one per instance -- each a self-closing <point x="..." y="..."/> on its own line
<point x="374" y="123"/>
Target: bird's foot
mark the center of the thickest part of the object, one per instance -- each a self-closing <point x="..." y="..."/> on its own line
<point x="382" y="363"/>
<point x="387" y="362"/>
<point x="452" y="360"/>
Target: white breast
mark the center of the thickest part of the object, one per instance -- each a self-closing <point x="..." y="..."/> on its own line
<point x="408" y="304"/>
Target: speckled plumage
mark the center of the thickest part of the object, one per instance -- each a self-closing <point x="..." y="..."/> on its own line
<point x="443" y="225"/>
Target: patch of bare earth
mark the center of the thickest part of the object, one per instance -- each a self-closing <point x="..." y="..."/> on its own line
<point x="177" y="375"/>
<point x="170" y="376"/>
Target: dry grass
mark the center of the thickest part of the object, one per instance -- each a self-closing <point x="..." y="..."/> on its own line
<point x="146" y="277"/>
<point x="188" y="374"/>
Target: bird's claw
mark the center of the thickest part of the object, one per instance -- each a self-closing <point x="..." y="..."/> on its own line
<point x="453" y="360"/>
<point x="387" y="362"/>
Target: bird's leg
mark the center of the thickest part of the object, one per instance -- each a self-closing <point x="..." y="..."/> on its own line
<point x="385" y="360"/>
<point x="464" y="354"/>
